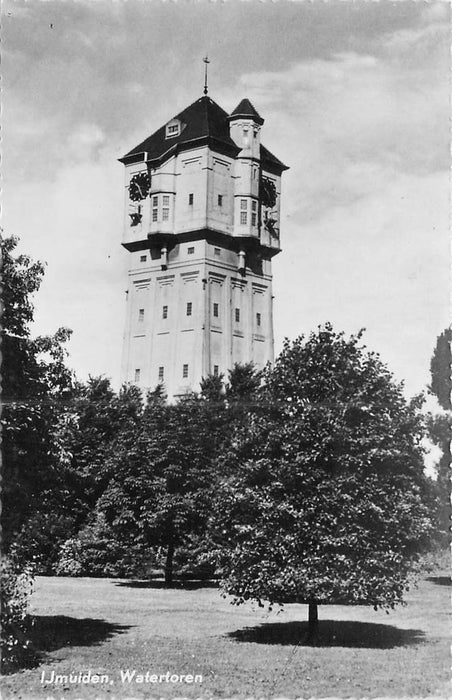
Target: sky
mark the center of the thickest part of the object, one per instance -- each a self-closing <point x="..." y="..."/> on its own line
<point x="355" y="100"/>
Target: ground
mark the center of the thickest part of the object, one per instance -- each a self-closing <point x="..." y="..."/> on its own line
<point x="105" y="626"/>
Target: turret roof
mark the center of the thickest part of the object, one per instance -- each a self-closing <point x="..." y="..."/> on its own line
<point x="201" y="122"/>
<point x="246" y="109"/>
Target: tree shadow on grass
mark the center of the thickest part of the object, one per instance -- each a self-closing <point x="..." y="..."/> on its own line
<point x="440" y="580"/>
<point x="331" y="633"/>
<point x="50" y="632"/>
<point x="183" y="584"/>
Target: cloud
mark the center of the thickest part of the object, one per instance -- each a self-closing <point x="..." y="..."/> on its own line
<point x="365" y="203"/>
<point x="78" y="219"/>
<point x="348" y="124"/>
<point x="355" y="101"/>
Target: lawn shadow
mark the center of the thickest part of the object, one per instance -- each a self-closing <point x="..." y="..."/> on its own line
<point x="440" y="580"/>
<point x="51" y="632"/>
<point x="337" y="633"/>
<point x="183" y="584"/>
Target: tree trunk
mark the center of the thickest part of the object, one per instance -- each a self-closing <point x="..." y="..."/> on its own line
<point x="313" y="620"/>
<point x="169" y="565"/>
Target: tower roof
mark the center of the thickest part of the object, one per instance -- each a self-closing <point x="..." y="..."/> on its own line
<point x="271" y="162"/>
<point x="246" y="109"/>
<point x="202" y="121"/>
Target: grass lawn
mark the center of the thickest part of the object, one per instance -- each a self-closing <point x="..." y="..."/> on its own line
<point x="105" y="625"/>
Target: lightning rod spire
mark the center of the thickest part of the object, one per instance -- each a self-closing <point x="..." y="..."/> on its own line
<point x="206" y="61"/>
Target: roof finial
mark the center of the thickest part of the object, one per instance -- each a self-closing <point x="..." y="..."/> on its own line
<point x="206" y="61"/>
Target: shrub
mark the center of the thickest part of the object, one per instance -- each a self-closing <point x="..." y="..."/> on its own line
<point x="16" y="587"/>
<point x="193" y="559"/>
<point x="96" y="552"/>
<point x="40" y="540"/>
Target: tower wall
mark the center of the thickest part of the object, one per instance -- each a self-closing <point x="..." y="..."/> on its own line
<point x="199" y="313"/>
<point x="199" y="293"/>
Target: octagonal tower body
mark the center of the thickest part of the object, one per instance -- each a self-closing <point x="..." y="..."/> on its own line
<point x="201" y="237"/>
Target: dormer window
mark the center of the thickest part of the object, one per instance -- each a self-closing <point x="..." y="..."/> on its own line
<point x="173" y="128"/>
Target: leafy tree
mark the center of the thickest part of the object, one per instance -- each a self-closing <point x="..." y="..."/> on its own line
<point x="212" y="388"/>
<point x="95" y="551"/>
<point x="97" y="419"/>
<point x="36" y="383"/>
<point x="160" y="476"/>
<point x="440" y="369"/>
<point x="324" y="498"/>
<point x="244" y="382"/>
<point x="440" y="428"/>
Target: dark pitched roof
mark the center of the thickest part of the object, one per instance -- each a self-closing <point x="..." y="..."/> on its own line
<point x="202" y="121"/>
<point x="271" y="162"/>
<point x="246" y="109"/>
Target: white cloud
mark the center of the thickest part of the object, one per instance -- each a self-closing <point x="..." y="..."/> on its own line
<point x="365" y="203"/>
<point x="79" y="219"/>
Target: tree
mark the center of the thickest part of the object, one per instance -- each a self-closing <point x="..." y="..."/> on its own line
<point x="36" y="383"/>
<point x="440" y="427"/>
<point x="159" y="492"/>
<point x="244" y="382"/>
<point x="440" y="369"/>
<point x="324" y="498"/>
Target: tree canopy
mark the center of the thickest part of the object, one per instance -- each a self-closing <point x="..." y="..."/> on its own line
<point x="325" y="499"/>
<point x="440" y="427"/>
<point x="440" y="369"/>
<point x="34" y="381"/>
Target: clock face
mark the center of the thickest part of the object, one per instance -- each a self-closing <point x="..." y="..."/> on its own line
<point x="267" y="192"/>
<point x="139" y="187"/>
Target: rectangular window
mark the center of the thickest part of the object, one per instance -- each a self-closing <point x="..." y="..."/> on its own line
<point x="155" y="201"/>
<point x="190" y="199"/>
<point x="215" y="310"/>
<point x="220" y="200"/>
<point x="253" y="218"/>
<point x="165" y="214"/>
<point x="141" y="315"/>
<point x="166" y="200"/>
<point x="172" y="130"/>
<point x="189" y="308"/>
<point x="185" y="371"/>
<point x="258" y="319"/>
<point x="237" y="315"/>
<point x="243" y="217"/>
<point x="217" y="251"/>
<point x="165" y="312"/>
<point x="154" y="214"/>
<point x="215" y="370"/>
<point x="161" y="373"/>
<point x="137" y="375"/>
<point x="191" y="250"/>
<point x="142" y="258"/>
<point x="254" y="205"/>
<point x="244" y="204"/>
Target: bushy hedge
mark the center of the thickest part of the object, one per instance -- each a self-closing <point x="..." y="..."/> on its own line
<point x="16" y="585"/>
<point x="193" y="559"/>
<point x="96" y="552"/>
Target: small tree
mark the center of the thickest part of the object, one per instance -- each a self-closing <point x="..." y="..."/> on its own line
<point x="440" y="427"/>
<point x="325" y="499"/>
<point x="440" y="369"/>
<point x="35" y="386"/>
<point x="159" y="492"/>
